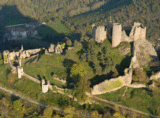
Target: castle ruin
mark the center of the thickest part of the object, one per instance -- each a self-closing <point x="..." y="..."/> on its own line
<point x="119" y="35"/>
<point x="100" y="33"/>
<point x="8" y="56"/>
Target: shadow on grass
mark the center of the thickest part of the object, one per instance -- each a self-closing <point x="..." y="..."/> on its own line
<point x="11" y="16"/>
<point x="100" y="78"/>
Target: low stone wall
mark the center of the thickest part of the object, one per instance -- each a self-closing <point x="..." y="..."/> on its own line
<point x="155" y="76"/>
<point x="123" y="80"/>
<point x="137" y="86"/>
<point x="32" y="78"/>
<point x="63" y="81"/>
<point x="33" y="51"/>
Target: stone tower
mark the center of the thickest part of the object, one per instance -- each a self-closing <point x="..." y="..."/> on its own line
<point x="138" y="32"/>
<point x="20" y="71"/>
<point x="116" y="34"/>
<point x="44" y="87"/>
<point x="100" y="33"/>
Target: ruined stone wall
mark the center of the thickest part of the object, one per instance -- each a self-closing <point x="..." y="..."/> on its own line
<point x="155" y="76"/>
<point x="143" y="33"/>
<point x="122" y="80"/>
<point x="116" y="34"/>
<point x="33" y="51"/>
<point x="32" y="78"/>
<point x="137" y="33"/>
<point x="100" y="33"/>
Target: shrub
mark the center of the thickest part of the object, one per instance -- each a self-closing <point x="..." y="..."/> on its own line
<point x="139" y="76"/>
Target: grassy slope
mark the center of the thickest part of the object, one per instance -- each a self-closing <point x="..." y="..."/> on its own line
<point x="32" y="90"/>
<point x="141" y="99"/>
<point x="45" y="67"/>
<point x="59" y="27"/>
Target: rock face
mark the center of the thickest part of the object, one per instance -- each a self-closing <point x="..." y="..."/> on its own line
<point x="145" y="52"/>
<point x="124" y="48"/>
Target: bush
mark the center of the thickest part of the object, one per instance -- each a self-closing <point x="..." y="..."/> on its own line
<point x="139" y="76"/>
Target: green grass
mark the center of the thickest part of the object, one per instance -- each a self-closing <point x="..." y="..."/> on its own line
<point x="141" y="99"/>
<point x="54" y="28"/>
<point x="59" y="27"/>
<point x="45" y="67"/>
<point x="33" y="90"/>
<point x="117" y="58"/>
<point x="113" y="84"/>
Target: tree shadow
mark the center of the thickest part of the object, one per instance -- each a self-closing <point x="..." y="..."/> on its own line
<point x="39" y="77"/>
<point x="100" y="78"/>
<point x="10" y="15"/>
<point x="67" y="63"/>
<point x="125" y="63"/>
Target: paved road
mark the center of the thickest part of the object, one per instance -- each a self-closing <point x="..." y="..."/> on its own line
<point x="124" y="107"/>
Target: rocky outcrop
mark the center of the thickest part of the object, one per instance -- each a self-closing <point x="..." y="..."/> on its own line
<point x="145" y="52"/>
<point x="124" y="48"/>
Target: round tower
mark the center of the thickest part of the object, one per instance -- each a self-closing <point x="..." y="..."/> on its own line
<point x="116" y="34"/>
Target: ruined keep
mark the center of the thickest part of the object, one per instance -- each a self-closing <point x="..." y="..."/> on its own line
<point x="138" y="31"/>
<point x="116" y="34"/>
<point x="100" y="33"/>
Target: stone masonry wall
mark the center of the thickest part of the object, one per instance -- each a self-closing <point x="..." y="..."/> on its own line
<point x="100" y="33"/>
<point x="116" y="34"/>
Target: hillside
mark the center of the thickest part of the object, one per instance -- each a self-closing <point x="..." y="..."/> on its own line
<point x="124" y="12"/>
<point x="78" y="15"/>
